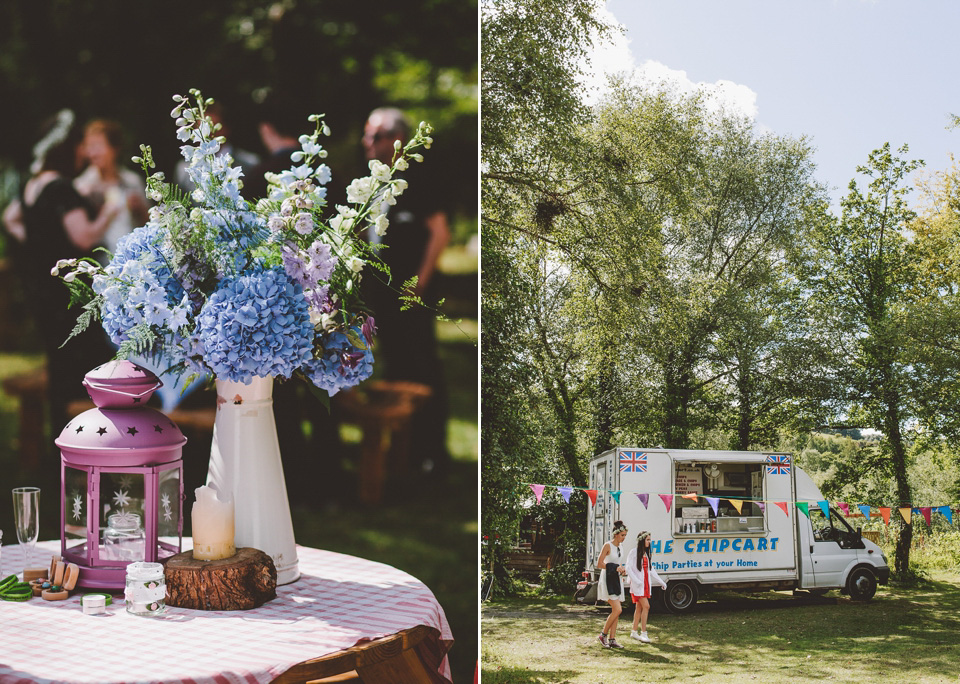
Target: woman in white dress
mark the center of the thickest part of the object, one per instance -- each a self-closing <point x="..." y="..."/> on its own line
<point x="610" y="588"/>
<point x="642" y="577"/>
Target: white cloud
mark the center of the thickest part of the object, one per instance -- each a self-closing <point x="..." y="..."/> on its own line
<point x="614" y="58"/>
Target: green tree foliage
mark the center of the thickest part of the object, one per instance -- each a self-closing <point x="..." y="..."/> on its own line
<point x="861" y="267"/>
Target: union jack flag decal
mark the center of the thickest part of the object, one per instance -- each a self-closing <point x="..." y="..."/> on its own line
<point x="633" y="462"/>
<point x="778" y="465"/>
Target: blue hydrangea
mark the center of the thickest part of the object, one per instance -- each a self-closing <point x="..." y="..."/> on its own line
<point x="137" y="284"/>
<point x="341" y="366"/>
<point x="255" y="324"/>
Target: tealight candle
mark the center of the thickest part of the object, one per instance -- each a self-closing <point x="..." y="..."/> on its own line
<point x="212" y="522"/>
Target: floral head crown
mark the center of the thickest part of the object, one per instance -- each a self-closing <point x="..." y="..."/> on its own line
<point x="57" y="135"/>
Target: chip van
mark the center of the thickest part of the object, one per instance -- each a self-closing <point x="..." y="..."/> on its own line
<point x="726" y="520"/>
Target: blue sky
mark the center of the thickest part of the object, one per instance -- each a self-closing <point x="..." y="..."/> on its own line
<point x="849" y="74"/>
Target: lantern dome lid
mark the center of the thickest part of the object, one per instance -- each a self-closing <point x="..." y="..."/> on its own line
<point x="121" y="437"/>
<point x="121" y="384"/>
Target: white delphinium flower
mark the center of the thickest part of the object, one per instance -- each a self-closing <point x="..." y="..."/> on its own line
<point x="276" y="224"/>
<point x="360" y="190"/>
<point x="379" y="170"/>
<point x="380" y="225"/>
<point x="303" y="223"/>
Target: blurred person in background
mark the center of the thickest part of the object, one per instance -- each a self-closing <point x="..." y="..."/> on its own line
<point x="406" y="340"/>
<point x="106" y="180"/>
<point x="52" y="221"/>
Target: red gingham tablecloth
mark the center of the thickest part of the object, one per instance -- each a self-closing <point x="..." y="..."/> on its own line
<point x="338" y="602"/>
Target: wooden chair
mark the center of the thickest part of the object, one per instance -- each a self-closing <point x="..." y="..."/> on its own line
<point x="395" y="659"/>
<point x="383" y="411"/>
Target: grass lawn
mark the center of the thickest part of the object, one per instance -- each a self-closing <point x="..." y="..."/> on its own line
<point x="904" y="635"/>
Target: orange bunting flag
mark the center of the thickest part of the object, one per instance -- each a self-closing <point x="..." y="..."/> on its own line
<point x="905" y="512"/>
<point x="667" y="500"/>
<point x="783" y="507"/>
<point x="538" y="491"/>
<point x="692" y="497"/>
<point x="737" y="503"/>
<point x="885" y="514"/>
<point x="592" y="495"/>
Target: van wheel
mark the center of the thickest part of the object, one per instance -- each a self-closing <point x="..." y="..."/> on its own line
<point x="862" y="584"/>
<point x="680" y="596"/>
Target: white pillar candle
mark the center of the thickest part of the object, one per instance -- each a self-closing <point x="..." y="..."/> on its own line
<point x="212" y="522"/>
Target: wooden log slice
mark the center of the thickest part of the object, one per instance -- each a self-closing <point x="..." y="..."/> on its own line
<point x="243" y="581"/>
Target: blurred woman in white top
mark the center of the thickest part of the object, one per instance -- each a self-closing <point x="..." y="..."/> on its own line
<point x="106" y="180"/>
<point x="642" y="578"/>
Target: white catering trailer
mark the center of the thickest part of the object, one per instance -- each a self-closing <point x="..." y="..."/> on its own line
<point x="703" y="542"/>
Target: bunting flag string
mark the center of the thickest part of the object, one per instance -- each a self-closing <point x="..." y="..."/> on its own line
<point x="906" y="512"/>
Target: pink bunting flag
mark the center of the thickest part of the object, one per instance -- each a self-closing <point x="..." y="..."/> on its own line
<point x="782" y="505"/>
<point x="763" y="506"/>
<point x="845" y="507"/>
<point x="644" y="499"/>
<point x="565" y="492"/>
<point x="592" y="495"/>
<point x="667" y="500"/>
<point x="714" y="502"/>
<point x="925" y="510"/>
<point x="538" y="491"/>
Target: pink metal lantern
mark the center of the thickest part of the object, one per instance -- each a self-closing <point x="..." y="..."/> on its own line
<point x="121" y="484"/>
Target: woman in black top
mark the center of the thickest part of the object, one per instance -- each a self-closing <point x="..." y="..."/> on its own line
<point x="54" y="222"/>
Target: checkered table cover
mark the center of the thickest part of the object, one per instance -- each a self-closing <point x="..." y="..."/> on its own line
<point x="338" y="602"/>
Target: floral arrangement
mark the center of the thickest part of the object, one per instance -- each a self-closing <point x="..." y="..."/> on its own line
<point x="216" y="284"/>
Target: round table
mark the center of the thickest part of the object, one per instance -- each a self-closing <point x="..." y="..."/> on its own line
<point x="344" y="613"/>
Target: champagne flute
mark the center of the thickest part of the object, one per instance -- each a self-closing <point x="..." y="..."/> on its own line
<point x="26" y="517"/>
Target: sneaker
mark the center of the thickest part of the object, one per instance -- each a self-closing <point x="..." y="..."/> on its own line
<point x="613" y="643"/>
<point x="635" y="635"/>
<point x="645" y="639"/>
<point x="603" y="641"/>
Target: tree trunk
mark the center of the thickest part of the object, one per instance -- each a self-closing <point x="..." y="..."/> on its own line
<point x="898" y="457"/>
<point x="745" y="406"/>
<point x="678" y="393"/>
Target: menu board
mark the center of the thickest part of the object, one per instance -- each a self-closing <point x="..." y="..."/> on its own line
<point x="689" y="480"/>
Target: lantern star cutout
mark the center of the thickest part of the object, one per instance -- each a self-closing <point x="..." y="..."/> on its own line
<point x="157" y="428"/>
<point x="79" y="429"/>
<point x="132" y="431"/>
<point x="77" y="506"/>
<point x="121" y="498"/>
<point x="102" y="431"/>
